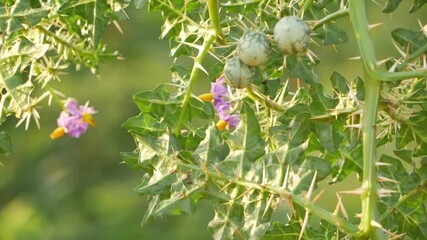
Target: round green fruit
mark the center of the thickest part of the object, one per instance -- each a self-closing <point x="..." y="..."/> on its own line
<point x="253" y="48"/>
<point x="292" y="35"/>
<point x="237" y="74"/>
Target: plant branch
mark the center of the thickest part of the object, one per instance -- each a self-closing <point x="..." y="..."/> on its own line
<point x="264" y="100"/>
<point x="367" y="50"/>
<point x="203" y="50"/>
<point x="369" y="196"/>
<point x="341" y="223"/>
<point x="338" y="14"/>
<point x="213" y="7"/>
<point x="411" y="57"/>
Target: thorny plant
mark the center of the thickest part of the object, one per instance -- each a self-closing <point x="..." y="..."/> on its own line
<point x="250" y="149"/>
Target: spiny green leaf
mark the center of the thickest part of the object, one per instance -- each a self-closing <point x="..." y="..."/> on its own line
<point x="21" y="14"/>
<point x="258" y="211"/>
<point x="181" y="200"/>
<point x="329" y="137"/>
<point x="291" y="231"/>
<point x="302" y="68"/>
<point x="144" y="123"/>
<point x="348" y="162"/>
<point x="306" y="171"/>
<point x="228" y="218"/>
<point x="334" y="35"/>
<point x="406" y="37"/>
<point x="246" y="142"/>
<point x="5" y="143"/>
<point x="395" y="170"/>
<point x="339" y="83"/>
<point x="212" y="149"/>
<point x="414" y="130"/>
<point x="131" y="159"/>
<point x="417" y="5"/>
<point x="360" y="88"/>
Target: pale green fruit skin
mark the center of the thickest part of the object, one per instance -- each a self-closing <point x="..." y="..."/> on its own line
<point x="254" y="48"/>
<point x="237" y="74"/>
<point x="292" y="35"/>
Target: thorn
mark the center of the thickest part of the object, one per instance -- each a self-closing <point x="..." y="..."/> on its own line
<point x="341" y="207"/>
<point x="399" y="50"/>
<point x="358" y="126"/>
<point x="225" y="187"/>
<point x="382" y="164"/>
<point x="372" y="26"/>
<point x="376" y="224"/>
<point x="384" y="179"/>
<point x="310" y="190"/>
<point x="285" y="181"/>
<point x="355" y="191"/>
<point x="386" y="192"/>
<point x="394" y="66"/>
<point x="355" y="58"/>
<point x="318" y="196"/>
<point x="358" y="215"/>
<point x="304" y="224"/>
<point x="245" y="192"/>
<point x="381" y="62"/>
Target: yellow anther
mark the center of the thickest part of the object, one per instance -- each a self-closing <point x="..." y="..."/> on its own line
<point x="57" y="133"/>
<point x="87" y="118"/>
<point x="208" y="97"/>
<point x="221" y="125"/>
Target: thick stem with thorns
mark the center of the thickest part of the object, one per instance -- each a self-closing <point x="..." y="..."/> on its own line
<point x="369" y="196"/>
<point x="203" y="50"/>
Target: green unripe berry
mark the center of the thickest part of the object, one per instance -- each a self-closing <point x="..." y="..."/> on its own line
<point x="237" y="74"/>
<point x="292" y="35"/>
<point x="253" y="48"/>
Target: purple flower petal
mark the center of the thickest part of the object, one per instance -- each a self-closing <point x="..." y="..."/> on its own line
<point x="71" y="105"/>
<point x="72" y="119"/>
<point x="218" y="89"/>
<point x="232" y="119"/>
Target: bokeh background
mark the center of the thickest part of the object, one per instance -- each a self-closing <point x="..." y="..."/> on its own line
<point x="78" y="188"/>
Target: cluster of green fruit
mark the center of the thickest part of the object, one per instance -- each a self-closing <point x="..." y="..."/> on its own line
<point x="291" y="35"/>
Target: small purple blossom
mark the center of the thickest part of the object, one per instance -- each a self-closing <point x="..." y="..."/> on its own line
<point x="221" y="104"/>
<point x="74" y="120"/>
<point x="232" y="119"/>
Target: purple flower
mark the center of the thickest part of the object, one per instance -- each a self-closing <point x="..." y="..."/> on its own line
<point x="231" y="119"/>
<point x="74" y="121"/>
<point x="218" y="89"/>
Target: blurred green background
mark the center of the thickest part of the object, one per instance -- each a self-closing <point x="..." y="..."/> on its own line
<point x="78" y="189"/>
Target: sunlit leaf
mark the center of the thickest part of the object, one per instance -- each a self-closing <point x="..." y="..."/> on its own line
<point x="20" y="15"/>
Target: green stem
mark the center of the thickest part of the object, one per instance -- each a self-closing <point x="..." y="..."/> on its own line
<point x="341" y="223"/>
<point x="264" y="100"/>
<point x="70" y="45"/>
<point x="213" y="7"/>
<point x="369" y="196"/>
<point x="360" y="24"/>
<point x="338" y="14"/>
<point x="203" y="50"/>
